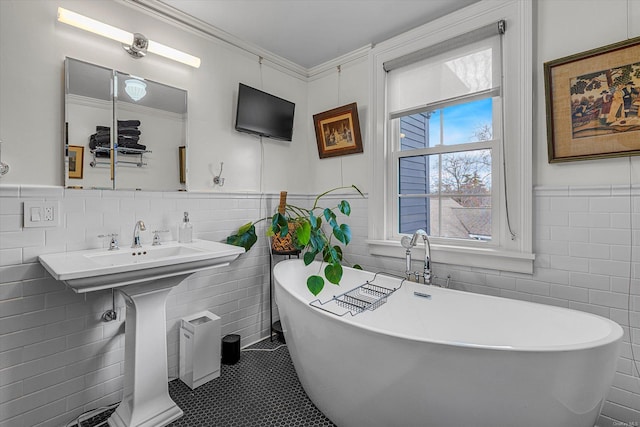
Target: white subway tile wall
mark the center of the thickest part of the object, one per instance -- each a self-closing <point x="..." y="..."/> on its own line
<point x="58" y="359"/>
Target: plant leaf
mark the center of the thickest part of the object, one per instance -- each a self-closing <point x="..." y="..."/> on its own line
<point x="317" y="240"/>
<point x="345" y="207"/>
<point x="338" y="252"/>
<point x="315" y="284"/>
<point x="315" y="221"/>
<point x="330" y="217"/>
<point x="303" y="232"/>
<point x="333" y="273"/>
<point x="358" y="190"/>
<point x="330" y="254"/>
<point x="343" y="233"/>
<point x="357" y="266"/>
<point x="245" y="228"/>
<point x="245" y="240"/>
<point x="309" y="257"/>
<point x="280" y="224"/>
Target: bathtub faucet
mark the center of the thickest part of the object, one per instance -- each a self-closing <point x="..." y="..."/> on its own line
<point x="410" y="242"/>
<point x="427" y="254"/>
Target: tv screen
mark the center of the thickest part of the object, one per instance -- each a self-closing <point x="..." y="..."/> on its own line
<point x="263" y="114"/>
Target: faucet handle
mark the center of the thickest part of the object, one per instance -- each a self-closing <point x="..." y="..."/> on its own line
<point x="113" y="243"/>
<point x="156" y="237"/>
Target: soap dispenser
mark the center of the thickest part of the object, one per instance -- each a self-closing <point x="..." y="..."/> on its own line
<point x="185" y="232"/>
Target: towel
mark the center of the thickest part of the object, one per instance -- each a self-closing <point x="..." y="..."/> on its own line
<point x="128" y="131"/>
<point x="132" y="145"/>
<point x="128" y="123"/>
<point x="124" y="139"/>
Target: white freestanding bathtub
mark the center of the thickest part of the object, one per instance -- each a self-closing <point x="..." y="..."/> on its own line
<point x="454" y="359"/>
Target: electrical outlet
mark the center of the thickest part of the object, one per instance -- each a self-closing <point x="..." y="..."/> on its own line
<point x="41" y="214"/>
<point x="48" y="213"/>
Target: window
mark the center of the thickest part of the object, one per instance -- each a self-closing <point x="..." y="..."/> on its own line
<point x="442" y="151"/>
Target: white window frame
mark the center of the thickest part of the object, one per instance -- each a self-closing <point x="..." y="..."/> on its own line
<point x="504" y="253"/>
<point x="393" y="165"/>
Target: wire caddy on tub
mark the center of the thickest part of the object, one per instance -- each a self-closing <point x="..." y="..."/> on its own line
<point x="367" y="296"/>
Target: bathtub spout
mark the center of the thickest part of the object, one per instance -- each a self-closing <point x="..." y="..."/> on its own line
<point x="427" y="254"/>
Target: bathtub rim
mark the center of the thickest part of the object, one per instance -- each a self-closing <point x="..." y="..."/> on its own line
<point x="615" y="334"/>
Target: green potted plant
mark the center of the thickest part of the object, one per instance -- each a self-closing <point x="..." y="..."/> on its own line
<point x="311" y="231"/>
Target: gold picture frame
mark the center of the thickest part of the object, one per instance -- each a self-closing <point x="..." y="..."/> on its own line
<point x="593" y="103"/>
<point x="338" y="131"/>
<point x="76" y="161"/>
<point x="182" y="156"/>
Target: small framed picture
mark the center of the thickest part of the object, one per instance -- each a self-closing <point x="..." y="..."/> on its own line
<point x="338" y="131"/>
<point x="76" y="161"/>
<point x="593" y="103"/>
<point x="182" y="156"/>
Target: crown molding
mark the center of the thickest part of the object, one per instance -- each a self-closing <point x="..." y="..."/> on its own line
<point x="167" y="13"/>
<point x="323" y="69"/>
<point x="170" y="14"/>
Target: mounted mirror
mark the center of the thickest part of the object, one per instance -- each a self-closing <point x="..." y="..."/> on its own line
<point x="148" y="152"/>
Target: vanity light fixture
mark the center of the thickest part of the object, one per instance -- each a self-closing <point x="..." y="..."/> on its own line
<point x="136" y="44"/>
<point x="136" y="89"/>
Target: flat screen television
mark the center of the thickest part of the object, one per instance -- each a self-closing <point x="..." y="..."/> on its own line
<point x="263" y="114"/>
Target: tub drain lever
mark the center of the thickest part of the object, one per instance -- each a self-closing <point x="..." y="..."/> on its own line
<point x="420" y="294"/>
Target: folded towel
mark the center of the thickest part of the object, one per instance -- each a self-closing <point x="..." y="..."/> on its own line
<point x="103" y="128"/>
<point x="128" y="131"/>
<point x="99" y="138"/>
<point x="128" y="123"/>
<point x="127" y="138"/>
<point x="132" y="145"/>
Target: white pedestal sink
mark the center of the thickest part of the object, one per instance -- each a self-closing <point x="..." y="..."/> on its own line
<point x="145" y="276"/>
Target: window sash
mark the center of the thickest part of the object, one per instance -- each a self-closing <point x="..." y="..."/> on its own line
<point x="393" y="220"/>
<point x="393" y="225"/>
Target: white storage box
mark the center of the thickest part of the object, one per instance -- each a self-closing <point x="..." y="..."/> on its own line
<point x="199" y="348"/>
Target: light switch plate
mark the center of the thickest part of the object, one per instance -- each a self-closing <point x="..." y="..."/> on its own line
<point x="41" y="214"/>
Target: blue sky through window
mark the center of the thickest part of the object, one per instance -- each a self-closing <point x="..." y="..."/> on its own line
<point x="461" y="122"/>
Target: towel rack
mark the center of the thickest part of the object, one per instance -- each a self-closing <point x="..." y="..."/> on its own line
<point x="122" y="151"/>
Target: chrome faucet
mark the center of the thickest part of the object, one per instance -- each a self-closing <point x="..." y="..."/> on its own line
<point x="427" y="254"/>
<point x="113" y="241"/>
<point x="136" y="234"/>
<point x="410" y="242"/>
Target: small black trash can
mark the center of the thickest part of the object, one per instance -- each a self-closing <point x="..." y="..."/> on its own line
<point x="231" y="349"/>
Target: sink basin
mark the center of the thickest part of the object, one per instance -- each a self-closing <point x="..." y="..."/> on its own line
<point x="96" y="269"/>
<point x="145" y="276"/>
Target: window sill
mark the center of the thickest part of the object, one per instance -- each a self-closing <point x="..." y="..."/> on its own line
<point x="490" y="258"/>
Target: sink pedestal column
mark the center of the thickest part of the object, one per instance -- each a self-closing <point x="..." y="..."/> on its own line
<point x="146" y="401"/>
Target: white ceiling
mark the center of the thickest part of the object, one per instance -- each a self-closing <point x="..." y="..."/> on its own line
<point x="311" y="32"/>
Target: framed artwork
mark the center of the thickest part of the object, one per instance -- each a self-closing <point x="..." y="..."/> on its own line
<point x="76" y="161"/>
<point x="182" y="156"/>
<point x="592" y="101"/>
<point x="338" y="131"/>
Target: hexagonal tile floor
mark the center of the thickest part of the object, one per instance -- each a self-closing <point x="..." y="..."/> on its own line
<point x="262" y="389"/>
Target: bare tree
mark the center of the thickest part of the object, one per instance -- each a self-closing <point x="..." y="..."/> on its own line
<point x="466" y="174"/>
<point x="483" y="132"/>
